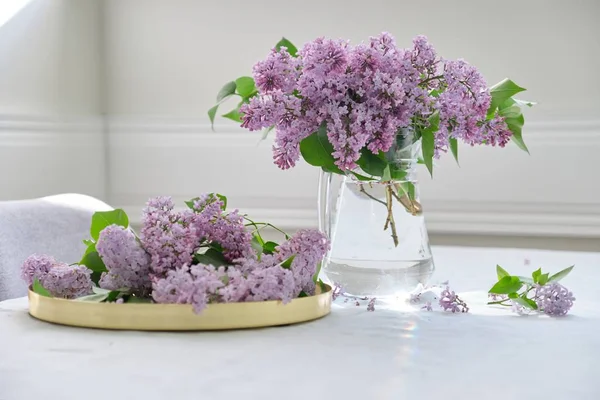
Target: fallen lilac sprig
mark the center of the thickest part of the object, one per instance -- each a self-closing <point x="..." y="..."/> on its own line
<point x="447" y="299"/>
<point x="540" y="293"/>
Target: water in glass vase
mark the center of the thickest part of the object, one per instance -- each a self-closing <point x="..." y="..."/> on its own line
<point x="366" y="259"/>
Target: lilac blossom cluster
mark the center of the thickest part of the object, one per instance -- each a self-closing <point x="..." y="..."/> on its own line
<point x="59" y="279"/>
<point x="248" y="279"/>
<point x="554" y="299"/>
<point x="163" y="262"/>
<point x="364" y="94"/>
<point x="128" y="264"/>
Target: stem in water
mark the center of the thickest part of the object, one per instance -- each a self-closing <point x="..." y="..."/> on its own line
<point x="389" y="222"/>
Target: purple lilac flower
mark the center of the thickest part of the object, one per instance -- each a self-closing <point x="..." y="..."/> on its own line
<point x="414" y="298"/>
<point x="231" y="233"/>
<point x="277" y="72"/>
<point x="518" y="308"/>
<point x="127" y="262"/>
<point x="449" y="301"/>
<point x="35" y="267"/>
<point x="427" y="306"/>
<point x="195" y="285"/>
<point x="169" y="236"/>
<point x="371" y="304"/>
<point x="227" y="229"/>
<point x="336" y="291"/>
<point x="497" y="297"/>
<point x="68" y="282"/>
<point x="271" y="283"/>
<point x="364" y="94"/>
<point x="308" y="246"/>
<point x="554" y="299"/>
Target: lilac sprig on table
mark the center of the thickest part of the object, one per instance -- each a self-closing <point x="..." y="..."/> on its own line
<point x="200" y="255"/>
<point x="540" y="293"/>
<point x="428" y="296"/>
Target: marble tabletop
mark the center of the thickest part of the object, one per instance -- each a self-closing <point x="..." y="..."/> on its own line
<point x="392" y="353"/>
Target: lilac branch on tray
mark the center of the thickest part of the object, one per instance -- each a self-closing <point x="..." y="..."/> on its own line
<point x="200" y="255"/>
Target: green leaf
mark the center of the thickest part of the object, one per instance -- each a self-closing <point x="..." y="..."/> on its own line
<point x="211" y="114"/>
<point x="501" y="272"/>
<point x="211" y="257"/>
<point x="454" y="148"/>
<point x="245" y="86"/>
<point x="93" y="261"/>
<point x="39" y="289"/>
<point x="524" y="103"/>
<point x="89" y="242"/>
<point x="506" y="285"/>
<point x="288" y="45"/>
<point x="536" y="275"/>
<point x="95" y="298"/>
<point x="317" y="272"/>
<point x="361" y="177"/>
<point x="560" y="275"/>
<point x="99" y="290"/>
<point x="287" y="264"/>
<point x="266" y="132"/>
<point x="387" y="175"/>
<point x="317" y="151"/>
<point x="256" y="244"/>
<point x="135" y="299"/>
<point x="515" y="125"/>
<point x="396" y="172"/>
<point x="428" y="140"/>
<point x="513" y="295"/>
<point x="227" y="90"/>
<point x="500" y="92"/>
<point x="269" y="247"/>
<point x="223" y="199"/>
<point x="526" y="302"/>
<point x="372" y="164"/>
<point x="526" y="280"/>
<point x="543" y="279"/>
<point x="302" y="294"/>
<point x="233" y="115"/>
<point x="322" y="285"/>
<point x="102" y="219"/>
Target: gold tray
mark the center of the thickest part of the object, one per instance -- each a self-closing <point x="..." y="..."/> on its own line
<point x="179" y="317"/>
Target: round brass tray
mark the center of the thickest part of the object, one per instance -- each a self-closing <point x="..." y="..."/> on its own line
<point x="179" y="317"/>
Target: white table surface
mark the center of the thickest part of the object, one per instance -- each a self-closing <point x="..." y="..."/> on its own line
<point x="351" y="354"/>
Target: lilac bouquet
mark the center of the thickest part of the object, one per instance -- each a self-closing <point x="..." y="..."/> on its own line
<point x="351" y="110"/>
<point x="199" y="255"/>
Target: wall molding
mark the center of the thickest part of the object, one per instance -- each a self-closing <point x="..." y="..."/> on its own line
<point x="137" y="143"/>
<point x="52" y="154"/>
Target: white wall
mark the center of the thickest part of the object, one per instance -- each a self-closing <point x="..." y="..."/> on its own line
<point x="51" y="131"/>
<point x="154" y="66"/>
<point x="167" y="60"/>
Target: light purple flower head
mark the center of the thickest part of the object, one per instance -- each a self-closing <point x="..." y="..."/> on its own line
<point x="68" y="282"/>
<point x="35" y="267"/>
<point x="554" y="299"/>
<point x="127" y="262"/>
<point x="169" y="236"/>
<point x="364" y="94"/>
<point x="449" y="301"/>
<point x="308" y="247"/>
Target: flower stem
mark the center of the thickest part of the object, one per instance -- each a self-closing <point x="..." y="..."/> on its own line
<point x="389" y="222"/>
<point x="500" y="302"/>
<point x="362" y="189"/>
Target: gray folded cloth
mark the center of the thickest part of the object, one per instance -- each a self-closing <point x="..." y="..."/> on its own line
<point x="54" y="225"/>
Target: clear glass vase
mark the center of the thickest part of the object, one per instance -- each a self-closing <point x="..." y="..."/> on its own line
<point x="379" y="242"/>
